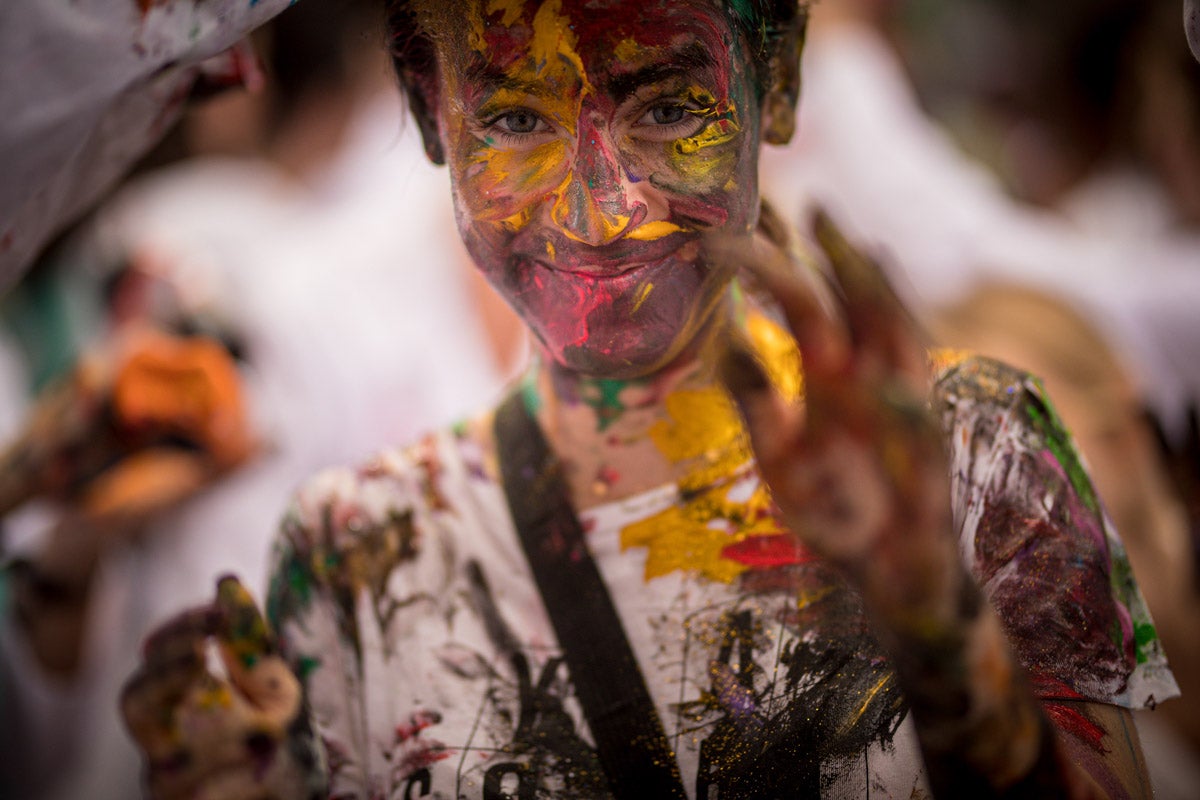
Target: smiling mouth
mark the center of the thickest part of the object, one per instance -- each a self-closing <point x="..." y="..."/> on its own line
<point x="619" y="271"/>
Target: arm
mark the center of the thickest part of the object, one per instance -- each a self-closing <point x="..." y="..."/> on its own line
<point x="861" y="474"/>
<point x="287" y="720"/>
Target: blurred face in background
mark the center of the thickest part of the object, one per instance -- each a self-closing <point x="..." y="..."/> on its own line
<point x="591" y="144"/>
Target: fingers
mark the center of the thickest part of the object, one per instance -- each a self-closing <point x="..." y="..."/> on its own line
<point x="242" y="631"/>
<point x="248" y="650"/>
<point x="880" y="325"/>
<point x="820" y="337"/>
<point x="767" y="415"/>
<point x="204" y="735"/>
<point x="173" y="662"/>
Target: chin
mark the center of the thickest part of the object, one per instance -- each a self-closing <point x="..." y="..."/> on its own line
<point x="626" y="352"/>
<point x="615" y="364"/>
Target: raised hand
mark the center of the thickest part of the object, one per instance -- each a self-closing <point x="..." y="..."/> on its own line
<point x="239" y="735"/>
<point x="859" y="470"/>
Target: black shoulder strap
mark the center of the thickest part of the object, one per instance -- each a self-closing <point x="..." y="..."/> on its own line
<point x="629" y="736"/>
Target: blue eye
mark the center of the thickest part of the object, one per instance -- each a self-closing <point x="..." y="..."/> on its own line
<point x="667" y="120"/>
<point x="520" y="121"/>
<point x="667" y="115"/>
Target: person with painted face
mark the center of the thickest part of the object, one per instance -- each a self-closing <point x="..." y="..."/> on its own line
<point x="734" y="534"/>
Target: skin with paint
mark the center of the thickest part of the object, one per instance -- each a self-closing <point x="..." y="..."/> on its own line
<point x="582" y="194"/>
<point x="603" y="157"/>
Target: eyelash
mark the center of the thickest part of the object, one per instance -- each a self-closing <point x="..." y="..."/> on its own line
<point x="691" y="123"/>
<point x="494" y="129"/>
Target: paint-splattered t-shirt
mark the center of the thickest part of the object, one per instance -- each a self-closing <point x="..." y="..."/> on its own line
<point x="404" y="600"/>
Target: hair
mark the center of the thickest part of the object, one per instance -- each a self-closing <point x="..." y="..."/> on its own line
<point x="762" y="22"/>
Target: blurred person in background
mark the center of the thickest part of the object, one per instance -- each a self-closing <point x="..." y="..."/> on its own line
<point x="204" y="320"/>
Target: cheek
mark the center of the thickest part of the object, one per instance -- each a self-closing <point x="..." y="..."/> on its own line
<point x="498" y="185"/>
<point x="708" y="177"/>
<point x="706" y="187"/>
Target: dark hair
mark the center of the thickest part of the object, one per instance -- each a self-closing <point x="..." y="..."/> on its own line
<point x="762" y="22"/>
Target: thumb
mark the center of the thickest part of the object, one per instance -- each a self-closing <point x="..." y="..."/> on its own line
<point x="242" y="635"/>
<point x="767" y="415"/>
<point x="252" y="659"/>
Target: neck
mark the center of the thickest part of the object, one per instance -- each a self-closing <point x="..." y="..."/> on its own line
<point x="618" y="438"/>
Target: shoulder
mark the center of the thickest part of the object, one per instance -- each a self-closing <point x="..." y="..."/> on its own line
<point x="349" y="528"/>
<point x="963" y="380"/>
<point x="987" y="405"/>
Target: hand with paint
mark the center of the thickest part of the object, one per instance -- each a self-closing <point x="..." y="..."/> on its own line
<point x="861" y="475"/>
<point x="860" y="470"/>
<point x="241" y="735"/>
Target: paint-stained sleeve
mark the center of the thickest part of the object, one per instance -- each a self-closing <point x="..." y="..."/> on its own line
<point x="334" y="558"/>
<point x="1034" y="534"/>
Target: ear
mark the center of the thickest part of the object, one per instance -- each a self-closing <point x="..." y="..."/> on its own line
<point x="783" y="84"/>
<point x="422" y="92"/>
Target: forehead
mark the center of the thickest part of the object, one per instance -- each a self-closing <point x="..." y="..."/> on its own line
<point x="601" y="37"/>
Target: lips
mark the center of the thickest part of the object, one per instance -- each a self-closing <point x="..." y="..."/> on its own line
<point x="619" y="260"/>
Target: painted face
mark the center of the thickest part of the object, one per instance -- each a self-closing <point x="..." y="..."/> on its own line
<point x="591" y="144"/>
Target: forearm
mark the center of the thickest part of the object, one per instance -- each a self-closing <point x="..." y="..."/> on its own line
<point x="50" y="597"/>
<point x="982" y="731"/>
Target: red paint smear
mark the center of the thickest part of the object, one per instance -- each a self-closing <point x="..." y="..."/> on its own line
<point x="772" y="550"/>
<point x="418" y="721"/>
<point x="1077" y="724"/>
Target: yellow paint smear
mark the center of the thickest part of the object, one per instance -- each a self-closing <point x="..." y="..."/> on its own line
<point x="517" y="221"/>
<point x="643" y="293"/>
<point x="657" y="229"/>
<point x="778" y="354"/>
<point x="942" y="359"/>
<point x="691" y="537"/>
<point x="719" y="131"/>
<point x="627" y="49"/>
<point x="571" y="201"/>
<point x="702" y="427"/>
<point x="852" y="720"/>
<point x="554" y="42"/>
<point x="702" y="422"/>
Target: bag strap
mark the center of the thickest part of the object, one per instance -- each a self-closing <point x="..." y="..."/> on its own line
<point x="630" y="741"/>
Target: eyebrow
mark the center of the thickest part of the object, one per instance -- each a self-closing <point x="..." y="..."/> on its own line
<point x="482" y="73"/>
<point x="684" y="61"/>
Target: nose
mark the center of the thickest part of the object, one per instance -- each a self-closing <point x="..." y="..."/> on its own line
<point x="592" y="205"/>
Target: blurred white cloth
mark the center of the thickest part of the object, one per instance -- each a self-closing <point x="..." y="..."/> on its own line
<point x="87" y="86"/>
<point x="867" y="152"/>
<point x="350" y="296"/>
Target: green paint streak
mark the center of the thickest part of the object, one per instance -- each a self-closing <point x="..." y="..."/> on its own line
<point x="291" y="586"/>
<point x="1144" y="634"/>
<point x="529" y="393"/>
<point x="306" y="666"/>
<point x="606" y="401"/>
<point x="737" y="296"/>
<point x="1043" y="419"/>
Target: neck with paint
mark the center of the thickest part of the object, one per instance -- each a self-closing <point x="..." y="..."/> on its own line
<point x="677" y="425"/>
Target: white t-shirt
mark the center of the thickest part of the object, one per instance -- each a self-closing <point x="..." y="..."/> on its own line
<point x="406" y="603"/>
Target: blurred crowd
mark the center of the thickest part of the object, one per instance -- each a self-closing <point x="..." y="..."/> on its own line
<point x="249" y="306"/>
